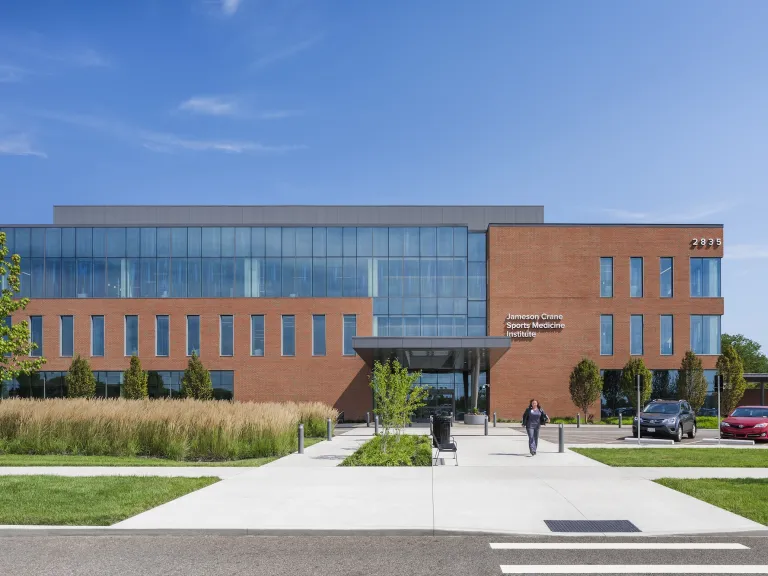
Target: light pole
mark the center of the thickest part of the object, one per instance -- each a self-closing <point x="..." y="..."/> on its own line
<point x="719" y="386"/>
<point x="639" y="382"/>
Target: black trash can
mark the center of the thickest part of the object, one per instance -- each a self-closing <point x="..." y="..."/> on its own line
<point x="442" y="428"/>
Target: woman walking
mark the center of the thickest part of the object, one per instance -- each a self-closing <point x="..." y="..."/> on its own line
<point x="533" y="418"/>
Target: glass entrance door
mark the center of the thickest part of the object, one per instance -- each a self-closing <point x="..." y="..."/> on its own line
<point x="439" y="401"/>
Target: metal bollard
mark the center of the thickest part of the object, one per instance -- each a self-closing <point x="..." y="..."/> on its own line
<point x="494" y="419"/>
<point x="376" y="425"/>
<point x="561" y="438"/>
<point x="301" y="438"/>
<point x="578" y="420"/>
<point x="367" y="419"/>
<point x="620" y="419"/>
<point x="486" y="424"/>
<point x="329" y="430"/>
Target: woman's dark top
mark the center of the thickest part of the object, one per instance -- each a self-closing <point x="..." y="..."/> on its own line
<point x="534" y="417"/>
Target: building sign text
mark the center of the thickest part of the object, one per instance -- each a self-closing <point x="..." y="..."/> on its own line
<point x="526" y="325"/>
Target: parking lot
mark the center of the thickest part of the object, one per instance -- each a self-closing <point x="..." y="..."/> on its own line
<point x="603" y="434"/>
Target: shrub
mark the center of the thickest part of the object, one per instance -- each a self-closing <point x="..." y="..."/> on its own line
<point x="691" y="383"/>
<point x="174" y="429"/>
<point x="196" y="382"/>
<point x="135" y="381"/>
<point x="395" y="395"/>
<point x="586" y="385"/>
<point x="403" y="450"/>
<point x="81" y="383"/>
<point x="628" y="386"/>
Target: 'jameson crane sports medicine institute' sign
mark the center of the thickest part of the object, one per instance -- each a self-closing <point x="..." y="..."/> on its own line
<point x="525" y="325"/>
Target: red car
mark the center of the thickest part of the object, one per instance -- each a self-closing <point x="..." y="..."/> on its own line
<point x="746" y="423"/>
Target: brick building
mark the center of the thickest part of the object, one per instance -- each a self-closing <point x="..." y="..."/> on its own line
<point x="297" y="302"/>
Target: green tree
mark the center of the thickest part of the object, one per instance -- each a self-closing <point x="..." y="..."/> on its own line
<point x="395" y="395"/>
<point x="628" y="386"/>
<point x="691" y="383"/>
<point x="15" y="342"/>
<point x="730" y="366"/>
<point x="752" y="359"/>
<point x="80" y="380"/>
<point x="612" y="388"/>
<point x="663" y="385"/>
<point x="196" y="382"/>
<point x="135" y="381"/>
<point x="586" y="385"/>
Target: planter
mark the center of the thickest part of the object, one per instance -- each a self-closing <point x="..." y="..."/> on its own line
<point x="474" y="419"/>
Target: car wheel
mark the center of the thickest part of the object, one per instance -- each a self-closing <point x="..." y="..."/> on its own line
<point x="692" y="433"/>
<point x="679" y="434"/>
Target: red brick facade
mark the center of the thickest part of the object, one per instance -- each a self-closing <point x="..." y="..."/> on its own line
<point x="341" y="381"/>
<point x="556" y="270"/>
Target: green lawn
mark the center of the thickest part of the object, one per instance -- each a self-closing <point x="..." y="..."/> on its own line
<point x="87" y="501"/>
<point x="405" y="450"/>
<point x="678" y="457"/>
<point x="746" y="497"/>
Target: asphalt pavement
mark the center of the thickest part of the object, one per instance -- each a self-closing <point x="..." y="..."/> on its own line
<point x="602" y="434"/>
<point x="373" y="556"/>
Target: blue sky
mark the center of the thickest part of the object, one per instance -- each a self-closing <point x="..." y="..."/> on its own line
<point x="603" y="111"/>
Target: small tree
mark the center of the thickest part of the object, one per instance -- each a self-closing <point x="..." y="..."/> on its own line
<point x="15" y="342"/>
<point x="196" y="382"/>
<point x="135" y="381"/>
<point x="586" y="385"/>
<point x="691" y="383"/>
<point x="395" y="396"/>
<point x="730" y="366"/>
<point x="80" y="380"/>
<point x="628" y="385"/>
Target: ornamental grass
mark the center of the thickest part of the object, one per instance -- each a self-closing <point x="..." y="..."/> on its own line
<point x="173" y="429"/>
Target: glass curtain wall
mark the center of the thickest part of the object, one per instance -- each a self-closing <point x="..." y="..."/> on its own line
<point x="424" y="281"/>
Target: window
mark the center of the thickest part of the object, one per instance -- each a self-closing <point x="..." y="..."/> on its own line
<point x="606" y="335"/>
<point x="193" y="335"/>
<point x="131" y="335"/>
<point x="97" y="335"/>
<point x="667" y="335"/>
<point x="665" y="277"/>
<point x="606" y="277"/>
<point x="162" y="335"/>
<point x="289" y="336"/>
<point x="227" y="335"/>
<point x="636" y="277"/>
<point x="705" y="278"/>
<point x="705" y="334"/>
<point x="257" y="335"/>
<point x="318" y="335"/>
<point x="350" y="330"/>
<point x="636" y="335"/>
<point x="67" y="336"/>
<point x="36" y="335"/>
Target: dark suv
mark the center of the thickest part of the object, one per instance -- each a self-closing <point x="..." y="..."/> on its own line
<point x="666" y="418"/>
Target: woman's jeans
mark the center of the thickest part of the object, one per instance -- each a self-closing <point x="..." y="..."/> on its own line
<point x="533" y="437"/>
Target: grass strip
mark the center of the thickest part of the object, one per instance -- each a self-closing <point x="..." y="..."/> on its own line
<point x="402" y="450"/>
<point x="678" y="457"/>
<point x="87" y="501"/>
<point x="747" y="497"/>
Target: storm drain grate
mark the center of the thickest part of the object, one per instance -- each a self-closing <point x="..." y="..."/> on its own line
<point x="591" y="526"/>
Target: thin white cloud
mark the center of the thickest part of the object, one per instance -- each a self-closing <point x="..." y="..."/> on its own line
<point x="34" y="51"/>
<point x="12" y="74"/>
<point x="279" y="114"/>
<point x="698" y="214"/>
<point x="210" y="105"/>
<point x="285" y="53"/>
<point x="229" y="7"/>
<point x="746" y="251"/>
<point x="166" y="142"/>
<point x="19" y="145"/>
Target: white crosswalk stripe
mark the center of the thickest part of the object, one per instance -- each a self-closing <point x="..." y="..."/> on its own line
<point x="617" y="546"/>
<point x="633" y="569"/>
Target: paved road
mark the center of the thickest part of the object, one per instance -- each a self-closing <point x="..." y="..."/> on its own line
<point x="599" y="434"/>
<point x="353" y="556"/>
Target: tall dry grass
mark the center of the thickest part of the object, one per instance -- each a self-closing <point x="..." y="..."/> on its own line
<point x="174" y="429"/>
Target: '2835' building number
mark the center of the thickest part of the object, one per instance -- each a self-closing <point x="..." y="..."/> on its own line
<point x="702" y="242"/>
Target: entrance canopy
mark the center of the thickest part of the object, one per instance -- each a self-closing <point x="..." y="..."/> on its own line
<point x="430" y="353"/>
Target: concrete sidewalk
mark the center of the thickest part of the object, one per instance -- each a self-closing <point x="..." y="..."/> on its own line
<point x="497" y="488"/>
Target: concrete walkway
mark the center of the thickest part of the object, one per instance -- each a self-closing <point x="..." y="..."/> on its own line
<point x="496" y="488"/>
